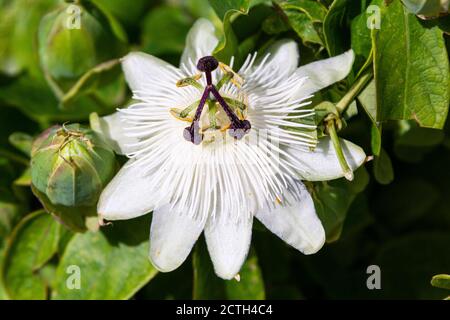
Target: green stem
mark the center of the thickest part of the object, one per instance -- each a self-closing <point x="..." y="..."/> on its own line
<point x="348" y="173"/>
<point x="13" y="157"/>
<point x="78" y="86"/>
<point x="59" y="94"/>
<point x="357" y="87"/>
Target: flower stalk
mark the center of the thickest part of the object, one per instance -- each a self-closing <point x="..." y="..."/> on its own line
<point x="332" y="119"/>
<point x="356" y="88"/>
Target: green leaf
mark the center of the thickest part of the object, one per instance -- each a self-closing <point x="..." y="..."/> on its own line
<point x="64" y="238"/>
<point x="223" y="7"/>
<point x="375" y="139"/>
<point x="114" y="23"/>
<point x="22" y="141"/>
<point x="113" y="263"/>
<point x="304" y="27"/>
<point x="275" y="24"/>
<point x="361" y="29"/>
<point x="368" y="100"/>
<point x="334" y="41"/>
<point x="382" y="168"/>
<point x="3" y="295"/>
<point x="47" y="274"/>
<point x="360" y="36"/>
<point x="10" y="212"/>
<point x="315" y="11"/>
<point x="411" y="69"/>
<point x="351" y="111"/>
<point x="333" y="199"/>
<point x="228" y="43"/>
<point x="226" y="10"/>
<point x="208" y="286"/>
<point x="249" y="25"/>
<point x="441" y="281"/>
<point x="306" y="18"/>
<point x="33" y="242"/>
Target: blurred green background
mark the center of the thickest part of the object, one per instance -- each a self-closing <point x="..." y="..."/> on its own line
<point x="395" y="214"/>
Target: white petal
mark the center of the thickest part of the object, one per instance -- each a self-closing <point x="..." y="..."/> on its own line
<point x="111" y="129"/>
<point x="142" y="71"/>
<point x="172" y="236"/>
<point x="201" y="41"/>
<point x="128" y="195"/>
<point x="324" y="73"/>
<point x="295" y="220"/>
<point x="322" y="163"/>
<point x="284" y="54"/>
<point x="228" y="245"/>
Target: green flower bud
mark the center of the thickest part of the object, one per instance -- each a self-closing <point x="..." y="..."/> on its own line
<point x="72" y="41"/>
<point x="70" y="166"/>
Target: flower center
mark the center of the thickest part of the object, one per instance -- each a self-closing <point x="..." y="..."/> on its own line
<point x="237" y="127"/>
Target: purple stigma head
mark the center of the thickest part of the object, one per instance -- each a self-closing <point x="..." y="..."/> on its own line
<point x="207" y="64"/>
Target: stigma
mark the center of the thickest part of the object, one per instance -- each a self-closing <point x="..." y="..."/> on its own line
<point x="233" y="109"/>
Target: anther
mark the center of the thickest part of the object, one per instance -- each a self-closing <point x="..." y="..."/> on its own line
<point x="207" y="64"/>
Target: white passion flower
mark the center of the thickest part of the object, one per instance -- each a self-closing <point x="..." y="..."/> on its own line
<point x="211" y="149"/>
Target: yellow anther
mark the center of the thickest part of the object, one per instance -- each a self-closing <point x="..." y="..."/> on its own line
<point x="177" y="114"/>
<point x="278" y="200"/>
<point x="225" y="128"/>
<point x="190" y="81"/>
<point x="240" y="114"/>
